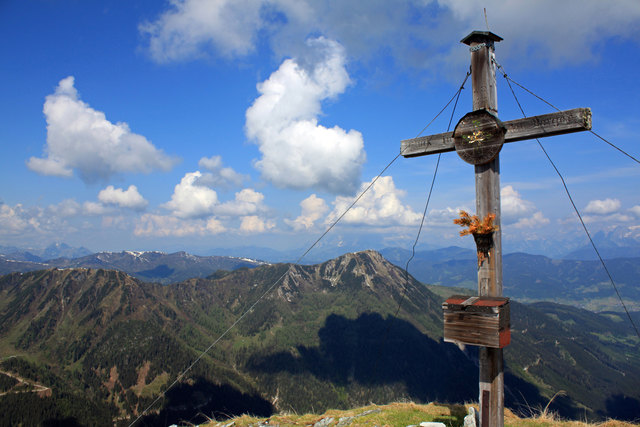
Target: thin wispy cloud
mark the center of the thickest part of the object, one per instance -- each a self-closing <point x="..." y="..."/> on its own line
<point x="416" y="33"/>
<point x="218" y="175"/>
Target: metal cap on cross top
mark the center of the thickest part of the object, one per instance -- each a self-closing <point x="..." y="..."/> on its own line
<point x="481" y="37"/>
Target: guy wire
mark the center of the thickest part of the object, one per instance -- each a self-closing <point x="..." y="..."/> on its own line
<point x="424" y="214"/>
<point x="575" y="208"/>
<point x="510" y="80"/>
<point x="270" y="288"/>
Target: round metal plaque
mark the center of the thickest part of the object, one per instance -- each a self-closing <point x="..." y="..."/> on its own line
<point x="478" y="137"/>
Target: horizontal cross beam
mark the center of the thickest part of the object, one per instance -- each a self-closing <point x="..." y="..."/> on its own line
<point x="568" y="121"/>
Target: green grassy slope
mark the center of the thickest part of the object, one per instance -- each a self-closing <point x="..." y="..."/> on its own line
<point x="336" y="335"/>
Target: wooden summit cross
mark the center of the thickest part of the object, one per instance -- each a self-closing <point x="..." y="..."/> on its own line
<point x="478" y="138"/>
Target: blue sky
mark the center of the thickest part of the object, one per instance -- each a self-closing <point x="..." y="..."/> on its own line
<point x="198" y="125"/>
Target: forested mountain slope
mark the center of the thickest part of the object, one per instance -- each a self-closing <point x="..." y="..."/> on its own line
<point x="349" y="331"/>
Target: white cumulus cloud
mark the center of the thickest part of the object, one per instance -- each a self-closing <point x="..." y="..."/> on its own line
<point x="603" y="207"/>
<point x="218" y="176"/>
<point x="254" y="224"/>
<point x="517" y="211"/>
<point x="513" y="206"/>
<point x="64" y="209"/>
<point x="191" y="200"/>
<point x="13" y="220"/>
<point x="82" y="139"/>
<point x="246" y="202"/>
<point x="95" y="208"/>
<point x="533" y="221"/>
<point x="297" y="152"/>
<point x="380" y="206"/>
<point x="55" y="220"/>
<point x="70" y="208"/>
<point x="129" y="198"/>
<point x="215" y="226"/>
<point x="444" y="217"/>
<point x="313" y="208"/>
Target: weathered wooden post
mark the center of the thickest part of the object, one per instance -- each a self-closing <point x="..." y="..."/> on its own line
<point x="485" y="97"/>
<point x="478" y="139"/>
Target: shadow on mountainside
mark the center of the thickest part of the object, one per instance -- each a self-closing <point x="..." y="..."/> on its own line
<point x="372" y="352"/>
<point x="194" y="403"/>
<point x="626" y="408"/>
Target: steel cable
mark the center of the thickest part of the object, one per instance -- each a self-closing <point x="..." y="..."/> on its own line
<point x="271" y="287"/>
<point x="575" y="208"/>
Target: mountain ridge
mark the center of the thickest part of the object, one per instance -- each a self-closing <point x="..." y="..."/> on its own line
<point x="350" y="330"/>
<point x="582" y="283"/>
<point x="151" y="266"/>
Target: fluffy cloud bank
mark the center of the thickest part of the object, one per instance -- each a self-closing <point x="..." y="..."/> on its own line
<point x="192" y="198"/>
<point x="14" y="220"/>
<point x="53" y="221"/>
<point x="297" y="152"/>
<point x="193" y="26"/>
<point x="168" y="225"/>
<point x="415" y="32"/>
<point x="515" y="211"/>
<point x="165" y="226"/>
<point x="195" y="209"/>
<point x="603" y="207"/>
<point x="82" y="139"/>
<point x="380" y="206"/>
<point x="554" y="32"/>
<point x="609" y="212"/>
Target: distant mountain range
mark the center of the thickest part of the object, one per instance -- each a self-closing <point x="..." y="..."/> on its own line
<point x="527" y="278"/>
<point x="530" y="278"/>
<point x="55" y="250"/>
<point x="617" y="243"/>
<point x="607" y="251"/>
<point x="610" y="245"/>
<point x="148" y="266"/>
<point x="614" y="244"/>
<point x="349" y="331"/>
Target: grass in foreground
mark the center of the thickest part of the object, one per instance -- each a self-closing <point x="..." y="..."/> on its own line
<point x="402" y="414"/>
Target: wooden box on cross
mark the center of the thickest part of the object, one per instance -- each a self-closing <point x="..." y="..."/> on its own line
<point x="473" y="320"/>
